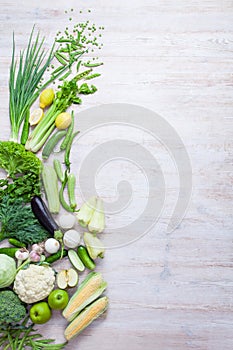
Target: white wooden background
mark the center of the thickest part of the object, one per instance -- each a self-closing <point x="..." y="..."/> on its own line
<point x="167" y="292"/>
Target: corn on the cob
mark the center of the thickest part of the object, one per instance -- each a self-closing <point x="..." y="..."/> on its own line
<point x="86" y="317"/>
<point x="90" y="289"/>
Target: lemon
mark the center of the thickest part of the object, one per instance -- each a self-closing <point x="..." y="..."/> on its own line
<point x="63" y="120"/>
<point x="36" y="116"/>
<point x="46" y="97"/>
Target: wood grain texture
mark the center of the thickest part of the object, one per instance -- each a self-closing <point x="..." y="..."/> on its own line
<point x="167" y="292"/>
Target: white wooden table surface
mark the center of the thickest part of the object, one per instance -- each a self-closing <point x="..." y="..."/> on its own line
<point x="167" y="291"/>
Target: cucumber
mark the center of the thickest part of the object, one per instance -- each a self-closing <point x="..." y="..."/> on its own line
<point x="54" y="257"/>
<point x="85" y="257"/>
<point x="75" y="260"/>
<point x="9" y="251"/>
<point x="16" y="243"/>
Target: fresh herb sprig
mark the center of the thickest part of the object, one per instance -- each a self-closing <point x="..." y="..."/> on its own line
<point x="18" y="221"/>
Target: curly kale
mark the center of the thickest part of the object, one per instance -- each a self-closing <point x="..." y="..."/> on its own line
<point x="23" y="171"/>
<point x="18" y="221"/>
<point x="11" y="308"/>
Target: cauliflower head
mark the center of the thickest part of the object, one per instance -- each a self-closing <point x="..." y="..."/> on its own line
<point x="34" y="283"/>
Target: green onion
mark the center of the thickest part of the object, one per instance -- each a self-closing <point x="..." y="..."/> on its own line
<point x="25" y="77"/>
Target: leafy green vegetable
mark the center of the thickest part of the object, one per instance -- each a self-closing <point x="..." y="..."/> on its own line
<point x="11" y="308"/>
<point x="18" y="221"/>
<point x="23" y="336"/>
<point x="23" y="171"/>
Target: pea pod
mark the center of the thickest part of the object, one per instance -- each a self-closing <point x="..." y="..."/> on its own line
<point x="85" y="258"/>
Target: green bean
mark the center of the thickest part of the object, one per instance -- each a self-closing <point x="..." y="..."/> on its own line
<point x="68" y="134"/>
<point x="52" y="142"/>
<point x="58" y="169"/>
<point x="68" y="148"/>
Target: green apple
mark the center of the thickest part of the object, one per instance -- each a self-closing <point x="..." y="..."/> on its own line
<point x="40" y="312"/>
<point x="58" y="299"/>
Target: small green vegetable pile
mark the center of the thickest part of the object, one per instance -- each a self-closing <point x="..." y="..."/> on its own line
<point x="32" y="192"/>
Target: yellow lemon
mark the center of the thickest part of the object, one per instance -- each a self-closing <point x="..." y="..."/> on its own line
<point x="46" y="97"/>
<point x="36" y="116"/>
<point x="63" y="120"/>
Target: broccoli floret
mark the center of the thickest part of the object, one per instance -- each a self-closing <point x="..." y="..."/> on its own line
<point x="11" y="308"/>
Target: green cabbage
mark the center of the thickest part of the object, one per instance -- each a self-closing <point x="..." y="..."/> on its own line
<point x="7" y="270"/>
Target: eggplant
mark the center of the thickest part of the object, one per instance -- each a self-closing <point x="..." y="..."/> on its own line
<point x="43" y="215"/>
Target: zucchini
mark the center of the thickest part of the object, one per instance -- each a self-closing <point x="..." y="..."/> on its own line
<point x="50" y="182"/>
<point x="52" y="142"/>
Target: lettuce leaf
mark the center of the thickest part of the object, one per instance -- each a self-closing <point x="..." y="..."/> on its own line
<point x="22" y="171"/>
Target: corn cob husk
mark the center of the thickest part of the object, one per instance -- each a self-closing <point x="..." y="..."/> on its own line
<point x="89" y="290"/>
<point x="86" y="317"/>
